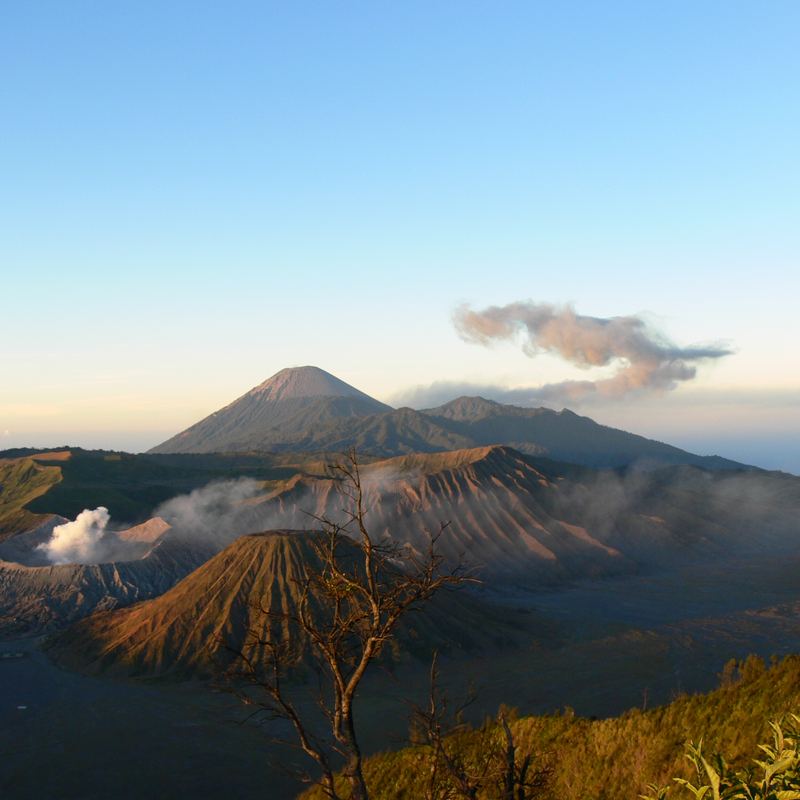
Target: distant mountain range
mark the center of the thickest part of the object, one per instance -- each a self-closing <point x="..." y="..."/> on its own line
<point x="305" y="410"/>
<point x="520" y="520"/>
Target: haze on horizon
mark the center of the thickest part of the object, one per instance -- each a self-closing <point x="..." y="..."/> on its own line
<point x="196" y="197"/>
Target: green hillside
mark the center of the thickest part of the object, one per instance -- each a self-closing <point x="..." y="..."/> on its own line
<point x="22" y="480"/>
<point x="66" y="481"/>
<point x="616" y="758"/>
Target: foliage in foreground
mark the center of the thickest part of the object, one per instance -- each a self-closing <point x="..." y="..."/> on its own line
<point x="773" y="776"/>
<point x="622" y="756"/>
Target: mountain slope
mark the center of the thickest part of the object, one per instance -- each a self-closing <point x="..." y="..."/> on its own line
<point x="615" y="758"/>
<point x="560" y="435"/>
<point x="308" y="410"/>
<point x="284" y="406"/>
<point x="22" y="480"/>
<point x="185" y="632"/>
<point x="35" y="599"/>
<point x="501" y="511"/>
<point x="535" y="520"/>
<point x="36" y="485"/>
<point x="393" y="433"/>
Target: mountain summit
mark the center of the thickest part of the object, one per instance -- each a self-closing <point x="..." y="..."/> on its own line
<point x="285" y="406"/>
<point x="296" y="382"/>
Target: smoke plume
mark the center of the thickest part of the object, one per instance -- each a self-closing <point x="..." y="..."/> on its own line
<point x="78" y="542"/>
<point x="644" y="359"/>
<point x="210" y="516"/>
<point x="214" y="513"/>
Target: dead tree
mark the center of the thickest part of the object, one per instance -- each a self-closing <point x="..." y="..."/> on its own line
<point x="469" y="763"/>
<point x="351" y="600"/>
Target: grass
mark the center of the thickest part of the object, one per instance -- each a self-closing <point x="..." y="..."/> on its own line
<point x="22" y="481"/>
<point x="618" y="757"/>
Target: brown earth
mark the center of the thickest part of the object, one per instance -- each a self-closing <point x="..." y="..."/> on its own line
<point x="187" y="632"/>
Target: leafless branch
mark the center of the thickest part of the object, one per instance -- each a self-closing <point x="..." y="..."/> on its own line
<point x="351" y="599"/>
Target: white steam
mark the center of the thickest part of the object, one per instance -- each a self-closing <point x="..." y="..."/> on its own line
<point x="80" y="542"/>
<point x="212" y="513"/>
<point x="209" y="517"/>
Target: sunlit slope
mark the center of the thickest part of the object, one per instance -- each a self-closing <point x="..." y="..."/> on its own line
<point x="281" y="408"/>
<point x="560" y="435"/>
<point x="186" y="632"/>
<point x="36" y="599"/>
<point x="22" y="480"/>
<point x="513" y="514"/>
<point x="498" y="509"/>
<point x="616" y="758"/>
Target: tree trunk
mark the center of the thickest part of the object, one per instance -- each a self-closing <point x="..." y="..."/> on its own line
<point x="352" y="771"/>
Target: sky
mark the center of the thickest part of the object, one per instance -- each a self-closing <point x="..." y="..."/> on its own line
<point x="196" y="195"/>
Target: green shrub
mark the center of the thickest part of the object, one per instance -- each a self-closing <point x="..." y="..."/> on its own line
<point x="774" y="776"/>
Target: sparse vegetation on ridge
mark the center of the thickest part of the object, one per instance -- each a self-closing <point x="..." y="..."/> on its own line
<point x="22" y="480"/>
<point x="620" y="757"/>
<point x="774" y="775"/>
<point x="129" y="485"/>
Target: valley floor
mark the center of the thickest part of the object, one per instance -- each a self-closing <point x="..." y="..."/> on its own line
<point x="623" y="642"/>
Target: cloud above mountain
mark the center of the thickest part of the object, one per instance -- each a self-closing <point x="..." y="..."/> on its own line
<point x="642" y="358"/>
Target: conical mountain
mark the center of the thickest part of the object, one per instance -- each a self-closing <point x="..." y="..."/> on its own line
<point x="286" y="405"/>
<point x="187" y="631"/>
<point x="305" y="409"/>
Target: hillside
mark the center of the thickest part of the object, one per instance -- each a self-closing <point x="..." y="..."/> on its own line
<point x="34" y="485"/>
<point x="287" y="405"/>
<point x="185" y="632"/>
<point x="396" y="432"/>
<point x="616" y="758"/>
<point x="529" y="519"/>
<point x="35" y="599"/>
<point x="539" y="521"/>
<point x="22" y="480"/>
<point x="560" y="435"/>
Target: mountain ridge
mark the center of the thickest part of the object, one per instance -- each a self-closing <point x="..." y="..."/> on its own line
<point x="305" y="409"/>
<point x="536" y="521"/>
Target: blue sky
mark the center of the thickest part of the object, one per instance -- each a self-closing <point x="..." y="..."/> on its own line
<point x="195" y="195"/>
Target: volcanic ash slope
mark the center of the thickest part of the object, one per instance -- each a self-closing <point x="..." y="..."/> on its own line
<point x="40" y="598"/>
<point x="531" y="520"/>
<point x="187" y="631"/>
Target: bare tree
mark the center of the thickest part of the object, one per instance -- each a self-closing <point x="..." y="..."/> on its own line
<point x="469" y="763"/>
<point x="351" y="600"/>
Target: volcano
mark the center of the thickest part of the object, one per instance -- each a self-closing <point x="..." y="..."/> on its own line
<point x="188" y="631"/>
<point x="36" y="598"/>
<point x="307" y="410"/>
<point x="285" y="406"/>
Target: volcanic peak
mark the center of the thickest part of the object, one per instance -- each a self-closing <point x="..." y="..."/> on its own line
<point x="308" y="381"/>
